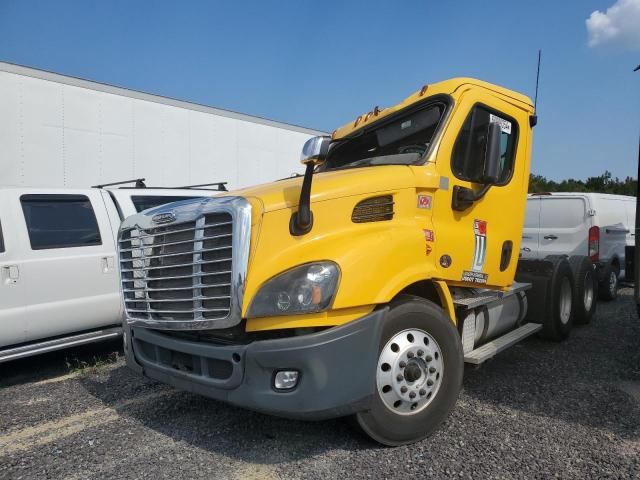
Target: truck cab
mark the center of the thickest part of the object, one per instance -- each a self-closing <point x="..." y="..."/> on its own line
<point x="360" y="288"/>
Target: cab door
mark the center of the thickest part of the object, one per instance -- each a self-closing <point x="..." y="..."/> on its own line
<point x="479" y="245"/>
<point x="67" y="262"/>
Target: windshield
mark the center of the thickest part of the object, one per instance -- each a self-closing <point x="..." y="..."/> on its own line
<point x="404" y="140"/>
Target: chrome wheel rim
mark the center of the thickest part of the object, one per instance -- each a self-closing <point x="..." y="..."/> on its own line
<point x="588" y="291"/>
<point x="410" y="371"/>
<point x="565" y="301"/>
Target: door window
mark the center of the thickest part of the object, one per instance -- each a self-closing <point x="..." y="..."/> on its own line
<point x="467" y="161"/>
<point x="562" y="213"/>
<point x="60" y="221"/>
<point x="532" y="216"/>
<point x="144" y="202"/>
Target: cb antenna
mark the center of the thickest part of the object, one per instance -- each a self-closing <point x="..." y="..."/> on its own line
<point x="535" y="102"/>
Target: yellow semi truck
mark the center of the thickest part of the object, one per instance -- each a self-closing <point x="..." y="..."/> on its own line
<point x="363" y="287"/>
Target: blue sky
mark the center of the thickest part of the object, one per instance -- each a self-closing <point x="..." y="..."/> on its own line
<point x="320" y="64"/>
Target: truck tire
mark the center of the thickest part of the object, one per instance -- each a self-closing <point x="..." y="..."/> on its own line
<point x="550" y="299"/>
<point x="608" y="288"/>
<point x="558" y="323"/>
<point x="586" y="289"/>
<point x="419" y="373"/>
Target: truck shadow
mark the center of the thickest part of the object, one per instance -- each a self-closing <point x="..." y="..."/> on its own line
<point x="55" y="364"/>
<point x="577" y="382"/>
<point x="220" y="428"/>
<point x="585" y="380"/>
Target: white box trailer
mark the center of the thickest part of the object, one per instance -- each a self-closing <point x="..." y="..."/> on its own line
<point x="60" y="131"/>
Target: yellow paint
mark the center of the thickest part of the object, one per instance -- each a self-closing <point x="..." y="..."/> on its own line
<point x="322" y="319"/>
<point x="446" y="299"/>
<point x="377" y="260"/>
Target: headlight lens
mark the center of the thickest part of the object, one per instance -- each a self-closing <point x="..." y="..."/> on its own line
<point x="308" y="288"/>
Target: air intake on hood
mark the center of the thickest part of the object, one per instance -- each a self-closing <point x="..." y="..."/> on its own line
<point x="375" y="209"/>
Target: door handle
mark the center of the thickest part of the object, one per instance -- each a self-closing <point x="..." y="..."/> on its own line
<point x="10" y="274"/>
<point x="550" y="237"/>
<point x="107" y="264"/>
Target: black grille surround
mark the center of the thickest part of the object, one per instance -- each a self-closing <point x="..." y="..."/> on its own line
<point x="189" y="273"/>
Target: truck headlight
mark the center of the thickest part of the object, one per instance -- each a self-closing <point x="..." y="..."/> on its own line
<point x="308" y="288"/>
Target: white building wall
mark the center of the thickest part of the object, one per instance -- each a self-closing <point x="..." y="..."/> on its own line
<point x="60" y="131"/>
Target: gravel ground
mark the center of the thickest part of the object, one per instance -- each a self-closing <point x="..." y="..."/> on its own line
<point x="538" y="410"/>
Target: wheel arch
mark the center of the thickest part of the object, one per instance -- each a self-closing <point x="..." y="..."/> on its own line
<point x="615" y="263"/>
<point x="436" y="291"/>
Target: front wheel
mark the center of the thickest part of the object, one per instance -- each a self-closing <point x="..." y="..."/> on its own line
<point x="418" y="373"/>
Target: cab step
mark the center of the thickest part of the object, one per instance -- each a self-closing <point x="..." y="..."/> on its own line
<point x="490" y="349"/>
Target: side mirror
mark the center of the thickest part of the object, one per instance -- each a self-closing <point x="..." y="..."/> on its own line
<point x="314" y="150"/>
<point x="492" y="155"/>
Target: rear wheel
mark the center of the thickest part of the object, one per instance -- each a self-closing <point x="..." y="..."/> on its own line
<point x="609" y="284"/>
<point x="558" y="322"/>
<point x="418" y="373"/>
<point x="586" y="288"/>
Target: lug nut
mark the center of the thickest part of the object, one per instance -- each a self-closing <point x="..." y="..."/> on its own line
<point x="410" y="354"/>
<point x="400" y="377"/>
<point x="432" y="369"/>
<point x="420" y="353"/>
<point x="403" y="364"/>
<point x="429" y="383"/>
<point x="412" y="395"/>
<point x="428" y="358"/>
<point x="423" y="392"/>
<point x="403" y="389"/>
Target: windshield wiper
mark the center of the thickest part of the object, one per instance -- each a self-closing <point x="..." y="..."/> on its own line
<point x="394" y="159"/>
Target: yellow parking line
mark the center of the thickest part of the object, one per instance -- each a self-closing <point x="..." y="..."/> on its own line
<point x="29" y="437"/>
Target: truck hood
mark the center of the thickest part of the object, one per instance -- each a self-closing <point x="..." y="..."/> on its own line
<point x="331" y="185"/>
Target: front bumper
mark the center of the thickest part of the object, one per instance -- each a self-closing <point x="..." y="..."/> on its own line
<point x="337" y="368"/>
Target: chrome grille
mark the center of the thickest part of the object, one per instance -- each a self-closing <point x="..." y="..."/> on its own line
<point x="181" y="275"/>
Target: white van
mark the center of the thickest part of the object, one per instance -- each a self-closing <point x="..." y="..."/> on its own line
<point x="58" y="273"/>
<point x="594" y="224"/>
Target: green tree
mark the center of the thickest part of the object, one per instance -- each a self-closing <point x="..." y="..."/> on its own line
<point x="604" y="183"/>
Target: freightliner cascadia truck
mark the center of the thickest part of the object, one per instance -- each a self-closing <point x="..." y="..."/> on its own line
<point x="362" y="287"/>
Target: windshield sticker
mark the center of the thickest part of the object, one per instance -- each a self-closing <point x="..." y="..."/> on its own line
<point x="474" y="277"/>
<point x="424" y="201"/>
<point x="480" y="252"/>
<point x="405" y="124"/>
<point x="505" y="125"/>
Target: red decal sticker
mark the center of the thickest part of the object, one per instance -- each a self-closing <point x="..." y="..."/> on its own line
<point x="428" y="235"/>
<point x="424" y="201"/>
<point x="480" y="227"/>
